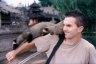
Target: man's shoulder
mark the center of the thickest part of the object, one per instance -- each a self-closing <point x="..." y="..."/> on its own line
<point x="46" y="37"/>
<point x="86" y="44"/>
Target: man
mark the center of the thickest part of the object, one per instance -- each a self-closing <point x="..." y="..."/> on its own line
<point x="11" y="54"/>
<point x="32" y="22"/>
<point x="74" y="49"/>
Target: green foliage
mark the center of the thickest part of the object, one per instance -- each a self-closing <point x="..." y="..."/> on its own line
<point x="88" y="7"/>
<point x="45" y="3"/>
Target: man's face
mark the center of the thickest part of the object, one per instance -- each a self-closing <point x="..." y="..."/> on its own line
<point x="70" y="28"/>
<point x="32" y="22"/>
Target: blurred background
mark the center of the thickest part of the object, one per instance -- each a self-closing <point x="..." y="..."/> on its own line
<point x="15" y="13"/>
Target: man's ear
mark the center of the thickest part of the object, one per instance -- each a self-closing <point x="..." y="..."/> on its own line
<point x="81" y="28"/>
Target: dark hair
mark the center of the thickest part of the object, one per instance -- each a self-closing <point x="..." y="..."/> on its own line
<point x="38" y="19"/>
<point x="81" y="18"/>
<point x="27" y="21"/>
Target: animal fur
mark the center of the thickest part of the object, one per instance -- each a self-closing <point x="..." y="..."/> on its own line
<point x="56" y="29"/>
<point x="33" y="32"/>
<point x="38" y="29"/>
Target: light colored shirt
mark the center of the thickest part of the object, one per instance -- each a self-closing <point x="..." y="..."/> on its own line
<point x="81" y="53"/>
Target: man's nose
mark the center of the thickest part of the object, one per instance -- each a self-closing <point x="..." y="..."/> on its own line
<point x="65" y="28"/>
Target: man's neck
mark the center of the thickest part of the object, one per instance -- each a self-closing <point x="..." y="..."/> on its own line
<point x="72" y="41"/>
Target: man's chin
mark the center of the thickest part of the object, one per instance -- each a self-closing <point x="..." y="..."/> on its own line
<point x="67" y="37"/>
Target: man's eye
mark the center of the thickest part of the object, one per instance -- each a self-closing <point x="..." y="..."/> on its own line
<point x="68" y="25"/>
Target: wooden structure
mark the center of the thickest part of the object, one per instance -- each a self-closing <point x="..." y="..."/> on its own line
<point x="5" y="13"/>
<point x="37" y="12"/>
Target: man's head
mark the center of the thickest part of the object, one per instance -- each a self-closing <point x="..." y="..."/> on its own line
<point x="32" y="22"/>
<point x="73" y="24"/>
